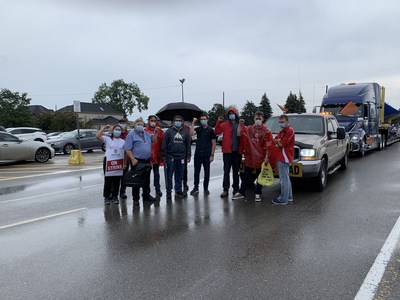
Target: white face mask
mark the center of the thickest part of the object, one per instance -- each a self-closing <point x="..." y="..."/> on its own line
<point x="258" y="122"/>
<point x="152" y="124"/>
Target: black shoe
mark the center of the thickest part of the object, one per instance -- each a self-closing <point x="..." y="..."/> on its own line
<point x="107" y="201"/>
<point x="195" y="191"/>
<point x="186" y="188"/>
<point x="180" y="194"/>
<point x="169" y="196"/>
<point x="159" y="193"/>
<point x="206" y="192"/>
<point x="115" y="200"/>
<point x="123" y="196"/>
<point x="235" y="192"/>
<point x="149" y="198"/>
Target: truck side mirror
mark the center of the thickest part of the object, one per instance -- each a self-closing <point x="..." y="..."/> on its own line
<point x="341" y="133"/>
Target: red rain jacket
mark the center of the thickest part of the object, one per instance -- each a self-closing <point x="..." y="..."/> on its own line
<point x="225" y="127"/>
<point x="286" y="153"/>
<point x="256" y="140"/>
<point x="155" y="157"/>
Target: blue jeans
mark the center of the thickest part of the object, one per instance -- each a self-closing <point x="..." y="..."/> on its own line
<point x="286" y="185"/>
<point x="156" y="172"/>
<point x="175" y="166"/>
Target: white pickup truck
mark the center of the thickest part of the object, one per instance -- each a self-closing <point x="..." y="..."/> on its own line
<point x="321" y="146"/>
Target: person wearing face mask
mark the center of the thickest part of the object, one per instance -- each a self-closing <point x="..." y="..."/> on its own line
<point x="123" y="123"/>
<point x="204" y="154"/>
<point x="257" y="139"/>
<point x="231" y="149"/>
<point x="112" y="171"/>
<point x="138" y="149"/>
<point x="155" y="159"/>
<point x="176" y="150"/>
<point x="284" y="154"/>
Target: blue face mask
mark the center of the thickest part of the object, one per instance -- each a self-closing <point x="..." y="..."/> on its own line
<point x="282" y="125"/>
<point x="203" y="122"/>
<point x="123" y="126"/>
<point x="232" y="117"/>
<point x="139" y="128"/>
<point x="116" y="133"/>
<point x="178" y="124"/>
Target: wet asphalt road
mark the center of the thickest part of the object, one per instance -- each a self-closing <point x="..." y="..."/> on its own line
<point x="57" y="241"/>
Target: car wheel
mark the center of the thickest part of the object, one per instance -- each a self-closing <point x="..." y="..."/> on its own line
<point x="68" y="148"/>
<point x="322" y="176"/>
<point x="344" y="161"/>
<point x="42" y="155"/>
<point x="38" y="140"/>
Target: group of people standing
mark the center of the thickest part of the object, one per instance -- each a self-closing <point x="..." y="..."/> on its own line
<point x="149" y="144"/>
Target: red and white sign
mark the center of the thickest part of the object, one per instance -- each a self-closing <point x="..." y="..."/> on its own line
<point x="114" y="162"/>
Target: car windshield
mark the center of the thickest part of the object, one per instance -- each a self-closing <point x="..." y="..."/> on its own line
<point x="336" y="110"/>
<point x="300" y="124"/>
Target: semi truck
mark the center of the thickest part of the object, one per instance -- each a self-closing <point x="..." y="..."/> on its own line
<point x="360" y="109"/>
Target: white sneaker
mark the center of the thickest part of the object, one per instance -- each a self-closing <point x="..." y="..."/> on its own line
<point x="258" y="198"/>
<point x="290" y="200"/>
<point x="237" y="196"/>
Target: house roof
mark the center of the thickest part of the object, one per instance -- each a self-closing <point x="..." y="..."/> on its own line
<point x="38" y="109"/>
<point x="108" y="120"/>
<point x="94" y="108"/>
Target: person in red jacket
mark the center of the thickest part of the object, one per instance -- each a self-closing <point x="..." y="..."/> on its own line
<point x="231" y="150"/>
<point x="155" y="158"/>
<point x="284" y="154"/>
<point x="256" y="139"/>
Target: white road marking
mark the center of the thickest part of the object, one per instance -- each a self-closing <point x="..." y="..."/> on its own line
<point x="371" y="282"/>
<point x="52" y="193"/>
<point x="52" y="173"/>
<point x="42" y="218"/>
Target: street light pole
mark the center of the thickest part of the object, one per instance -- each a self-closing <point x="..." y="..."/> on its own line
<point x="182" y="81"/>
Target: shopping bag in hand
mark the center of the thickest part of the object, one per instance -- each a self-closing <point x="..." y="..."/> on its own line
<point x="266" y="176"/>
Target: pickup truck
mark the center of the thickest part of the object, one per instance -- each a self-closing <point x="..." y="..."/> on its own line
<point x="321" y="146"/>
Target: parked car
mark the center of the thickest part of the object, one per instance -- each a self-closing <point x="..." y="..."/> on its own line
<point x="69" y="141"/>
<point x="52" y="134"/>
<point x="28" y="133"/>
<point x="13" y="148"/>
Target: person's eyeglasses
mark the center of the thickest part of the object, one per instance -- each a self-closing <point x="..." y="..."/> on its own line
<point x="257" y="119"/>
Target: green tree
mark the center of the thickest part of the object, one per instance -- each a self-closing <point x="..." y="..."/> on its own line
<point x="294" y="104"/>
<point x="44" y="121"/>
<point x="64" y="121"/>
<point x="214" y="113"/>
<point x="248" y="111"/>
<point x="265" y="106"/>
<point x="121" y="96"/>
<point x="302" y="104"/>
<point x="14" y="109"/>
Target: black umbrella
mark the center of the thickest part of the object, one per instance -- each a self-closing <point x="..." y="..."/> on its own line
<point x="187" y="110"/>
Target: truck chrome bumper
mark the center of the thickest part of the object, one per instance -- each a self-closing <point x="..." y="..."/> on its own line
<point x="310" y="168"/>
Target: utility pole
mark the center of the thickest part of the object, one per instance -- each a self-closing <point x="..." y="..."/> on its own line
<point x="182" y="81"/>
<point x="223" y="100"/>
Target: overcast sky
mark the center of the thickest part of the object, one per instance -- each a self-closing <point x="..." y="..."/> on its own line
<point x="61" y="51"/>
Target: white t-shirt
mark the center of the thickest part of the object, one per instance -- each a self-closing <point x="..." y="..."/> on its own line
<point x="114" y="143"/>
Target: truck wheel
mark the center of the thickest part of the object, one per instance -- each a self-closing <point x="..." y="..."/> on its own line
<point x="344" y="161"/>
<point x="322" y="176"/>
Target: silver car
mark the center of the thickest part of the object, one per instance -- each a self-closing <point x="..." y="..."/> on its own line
<point x="13" y="148"/>
<point x="69" y="141"/>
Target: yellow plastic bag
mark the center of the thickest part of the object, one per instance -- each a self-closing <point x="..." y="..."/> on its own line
<point x="266" y="176"/>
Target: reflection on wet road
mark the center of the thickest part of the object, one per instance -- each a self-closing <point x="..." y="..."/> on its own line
<point x="319" y="247"/>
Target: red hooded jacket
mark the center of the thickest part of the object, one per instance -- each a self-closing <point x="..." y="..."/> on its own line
<point x="155" y="158"/>
<point x="256" y="140"/>
<point x="225" y="127"/>
<point x="286" y="153"/>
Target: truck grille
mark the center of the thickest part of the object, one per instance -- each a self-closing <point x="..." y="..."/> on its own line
<point x="296" y="153"/>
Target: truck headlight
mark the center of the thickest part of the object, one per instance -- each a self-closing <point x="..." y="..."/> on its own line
<point x="308" y="154"/>
<point x="355" y="138"/>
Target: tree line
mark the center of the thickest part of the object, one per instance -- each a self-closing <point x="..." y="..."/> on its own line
<point x="123" y="97"/>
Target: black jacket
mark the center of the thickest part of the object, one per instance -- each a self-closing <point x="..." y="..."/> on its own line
<point x="176" y="144"/>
